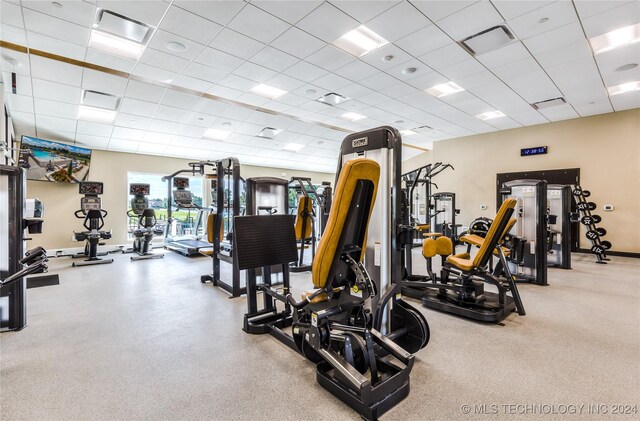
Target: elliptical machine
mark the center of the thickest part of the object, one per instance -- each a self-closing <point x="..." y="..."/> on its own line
<point x="146" y="222"/>
<point x="93" y="214"/>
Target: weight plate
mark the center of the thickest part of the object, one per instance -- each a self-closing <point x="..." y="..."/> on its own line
<point x="596" y="218"/>
<point x="593" y="235"/>
<point x="601" y="232"/>
<point x="606" y="244"/>
<point x="592" y="206"/>
<point x="582" y="206"/>
<point x="586" y="193"/>
<point x="587" y="220"/>
<point x="597" y="249"/>
<point x="577" y="191"/>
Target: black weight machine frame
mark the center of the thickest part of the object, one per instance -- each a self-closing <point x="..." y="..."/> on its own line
<point x="93" y="221"/>
<point x="304" y="186"/>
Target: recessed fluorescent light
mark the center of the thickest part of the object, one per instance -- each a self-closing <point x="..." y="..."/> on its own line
<point x="98" y="115"/>
<point x="623" y="88"/>
<point x="268" y="91"/>
<point x="115" y="45"/>
<point x="490" y="114"/>
<point x="360" y="41"/>
<point x="352" y="116"/>
<point x="407" y="132"/>
<point x="333" y="99"/>
<point x="614" y="39"/>
<point x="293" y="147"/>
<point x="444" y="89"/>
<point x="215" y="134"/>
<point x="268" y="132"/>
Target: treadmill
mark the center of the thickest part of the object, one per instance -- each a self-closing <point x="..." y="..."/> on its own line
<point x="186" y="244"/>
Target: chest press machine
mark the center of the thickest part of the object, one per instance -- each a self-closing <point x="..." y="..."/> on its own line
<point x="353" y="326"/>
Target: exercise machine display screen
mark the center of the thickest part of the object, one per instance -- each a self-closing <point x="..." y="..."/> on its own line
<point x="139" y="189"/>
<point x="182" y="197"/>
<point x="181" y="183"/>
<point x="90" y="203"/>
<point x="90" y="187"/>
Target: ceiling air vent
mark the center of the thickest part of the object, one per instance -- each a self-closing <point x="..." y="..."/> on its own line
<point x="548" y="103"/>
<point x="122" y="26"/>
<point x="333" y="99"/>
<point x="100" y="100"/>
<point x="268" y="133"/>
<point x="488" y="40"/>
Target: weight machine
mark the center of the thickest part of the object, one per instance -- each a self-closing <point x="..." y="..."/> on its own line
<point x="306" y="205"/>
<point x="146" y="221"/>
<point x="93" y="215"/>
<point x="559" y="225"/>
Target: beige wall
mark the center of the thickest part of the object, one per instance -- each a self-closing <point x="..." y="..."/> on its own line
<point x="111" y="168"/>
<point x="606" y="148"/>
<point x="417" y="162"/>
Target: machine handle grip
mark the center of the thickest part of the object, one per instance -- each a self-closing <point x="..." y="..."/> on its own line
<point x="104" y="212"/>
<point x="81" y="212"/>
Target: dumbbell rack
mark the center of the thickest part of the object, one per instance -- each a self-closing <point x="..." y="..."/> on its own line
<point x="589" y="220"/>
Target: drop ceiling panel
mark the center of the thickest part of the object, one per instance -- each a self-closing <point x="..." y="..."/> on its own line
<point x="588" y="8"/>
<point x="427" y="80"/>
<point x="56" y="28"/>
<point x="377" y="58"/>
<point x="563" y="112"/>
<point x="400" y="73"/>
<point x="181" y="22"/>
<point x="122" y="145"/>
<point x="628" y="14"/>
<point x="54" y="108"/>
<point x="179" y="99"/>
<point x="192" y="83"/>
<point x="626" y="101"/>
<point x="166" y="61"/>
<point x="142" y="11"/>
<point x="463" y="69"/>
<point x="54" y="46"/>
<point x="510" y="9"/>
<point x="127" y="133"/>
<point x="171" y="114"/>
<point x="284" y="82"/>
<point x="10" y="14"/>
<point x="252" y="99"/>
<point x="254" y="72"/>
<point x="103" y="82"/>
<point x="424" y="41"/>
<point x="137" y="107"/>
<point x="611" y="61"/>
<point x="517" y="68"/>
<point x="163" y="126"/>
<point x="330" y="58"/>
<point x="333" y="83"/>
<point x="364" y="11"/>
<point x="258" y="24"/>
<point x="132" y="121"/>
<point x="224" y="92"/>
<point x="436" y="10"/>
<point x="297" y="43"/>
<point x="161" y="38"/>
<point x="91" y="142"/>
<point x="273" y="59"/>
<point x="80" y="13"/>
<point x="445" y="56"/>
<point x="157" y="138"/>
<point x="220" y="12"/>
<point x="470" y="20"/>
<point x="13" y="34"/>
<point x="290" y="11"/>
<point x="107" y="60"/>
<point x="22" y="103"/>
<point x="305" y="71"/>
<point x="21" y="65"/>
<point x="55" y="124"/>
<point x="55" y="91"/>
<point x="534" y="87"/>
<point x="94" y="129"/>
<point x="154" y="73"/>
<point x="327" y="23"/>
<point x="559" y="13"/>
<point x="236" y="44"/>
<point x="398" y="22"/>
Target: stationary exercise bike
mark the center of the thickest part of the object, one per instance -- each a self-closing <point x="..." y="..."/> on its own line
<point x="146" y="222"/>
<point x="93" y="215"/>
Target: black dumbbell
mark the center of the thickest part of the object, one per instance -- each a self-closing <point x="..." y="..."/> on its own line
<point x="596" y="219"/>
<point x="601" y="232"/>
<point x="587" y="220"/>
<point x="593" y="235"/>
<point x="577" y="191"/>
<point x="586" y="193"/>
<point x="606" y="244"/>
<point x="597" y="249"/>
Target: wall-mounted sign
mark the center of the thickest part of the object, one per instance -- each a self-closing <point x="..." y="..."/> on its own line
<point x="538" y="150"/>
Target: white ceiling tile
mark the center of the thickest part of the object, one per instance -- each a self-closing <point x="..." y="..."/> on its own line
<point x="163" y="60"/>
<point x="160" y="39"/>
<point x="560" y="37"/>
<point x="305" y="71"/>
<point x="181" y="22"/>
<point x="379" y="81"/>
<point x="23" y="103"/>
<point x="610" y="61"/>
<point x="127" y="134"/>
<point x="55" y="71"/>
<point x="377" y="58"/>
<point x="273" y="59"/>
<point x="252" y="99"/>
<point x="144" y="91"/>
<point x="285" y="82"/>
<point x="189" y="82"/>
<point x="626" y="101"/>
<point x="478" y="79"/>
<point x="55" y="108"/>
<point x="103" y="82"/>
<point x="559" y="13"/>
<point x="398" y="22"/>
<point x="290" y="11"/>
<point x="13" y="34"/>
<point x="122" y="145"/>
<point x="505" y="55"/>
<point x="330" y="58"/>
<point x="513" y="9"/>
<point x="588" y="8"/>
<point x="534" y="87"/>
<point x="179" y="99"/>
<point x="204" y="72"/>
<point x="153" y="73"/>
<point x="149" y="12"/>
<point x="217" y="11"/>
<point x="236" y="44"/>
<point x="200" y="119"/>
<point x="54" y="46"/>
<point x="297" y="43"/>
<point x="356" y="70"/>
<point x="258" y="24"/>
<point x="374" y="98"/>
<point x="470" y="20"/>
<point x="151" y="149"/>
<point x="22" y="66"/>
<point x="137" y="107"/>
<point x="55" y="124"/>
<point x="363" y="11"/>
<point x="463" y="69"/>
<point x="91" y="142"/>
<point x="563" y="112"/>
<point x="24" y="121"/>
<point x="253" y="71"/>
<point x="398" y="90"/>
<point x="164" y="126"/>
<point x="171" y="114"/>
<point x="107" y="60"/>
<point x="55" y="91"/>
<point x="224" y="92"/>
<point x="192" y="131"/>
<point x="80" y="13"/>
<point x="157" y="138"/>
<point x="564" y="54"/>
<point x="436" y="10"/>
<point x="56" y="28"/>
<point x="578" y="75"/>
<point x="10" y="14"/>
<point x="292" y="100"/>
<point x="218" y="60"/>
<point x="628" y="14"/>
<point x="238" y="83"/>
<point x="520" y="67"/>
<point x="94" y="129"/>
<point x="416" y="44"/>
<point x="445" y="56"/>
<point x="132" y="121"/>
<point x="233" y="112"/>
<point x="56" y="135"/>
<point x="332" y="82"/>
<point x="327" y="23"/>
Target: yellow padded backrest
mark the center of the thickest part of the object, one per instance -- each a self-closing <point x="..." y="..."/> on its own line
<point x="302" y="215"/>
<point x="352" y="172"/>
<point x="444" y="246"/>
<point x="493" y="231"/>
<point x="211" y="223"/>
<point x="429" y="248"/>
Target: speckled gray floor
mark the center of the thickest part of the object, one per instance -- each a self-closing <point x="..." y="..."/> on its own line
<point x="147" y="340"/>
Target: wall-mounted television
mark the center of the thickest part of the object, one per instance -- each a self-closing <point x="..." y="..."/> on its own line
<point x="46" y="160"/>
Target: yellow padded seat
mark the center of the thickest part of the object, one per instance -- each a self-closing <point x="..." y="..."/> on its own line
<point x="472" y="239"/>
<point x="211" y="220"/>
<point x="444" y="246"/>
<point x="301" y="215"/>
<point x="431" y="234"/>
<point x="465" y="263"/>
<point x="355" y="170"/>
<point x="318" y="299"/>
<point x="423" y="227"/>
<point x="429" y="248"/>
